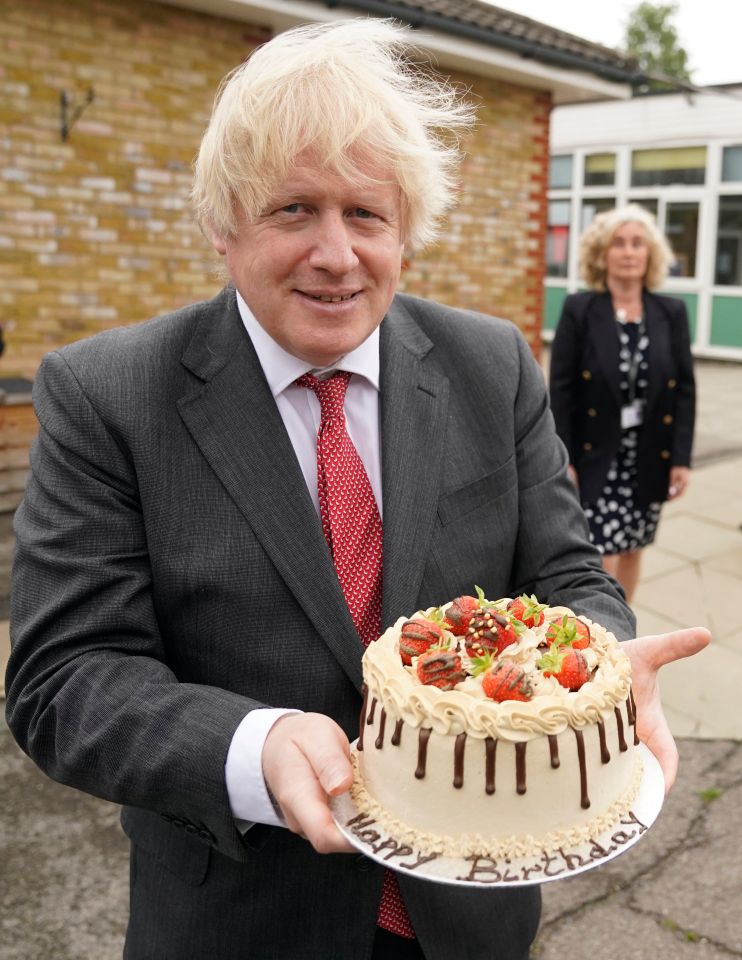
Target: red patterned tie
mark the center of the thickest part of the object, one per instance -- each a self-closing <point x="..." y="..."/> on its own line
<point x="352" y="528"/>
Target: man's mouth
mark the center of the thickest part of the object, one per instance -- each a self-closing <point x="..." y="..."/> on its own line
<point x="330" y="298"/>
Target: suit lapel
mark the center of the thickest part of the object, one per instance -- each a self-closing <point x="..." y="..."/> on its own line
<point x="604" y="335"/>
<point x="414" y="401"/>
<point x="234" y="420"/>
<point x="659" y="348"/>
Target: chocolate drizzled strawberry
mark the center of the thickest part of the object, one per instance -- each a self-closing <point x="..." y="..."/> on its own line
<point x="462" y="609"/>
<point x="506" y="681"/>
<point x="491" y="631"/>
<point x="440" y="668"/>
<point x="417" y="636"/>
<point x="567" y="666"/>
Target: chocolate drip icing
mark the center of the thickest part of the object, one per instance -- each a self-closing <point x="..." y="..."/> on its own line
<point x="362" y="718"/>
<point x="490" y="751"/>
<point x="370" y="719"/>
<point x="422" y="751"/>
<point x="553" y="751"/>
<point x="631" y="711"/>
<point x="520" y="768"/>
<point x="458" y="761"/>
<point x="584" y="799"/>
<point x="397" y="735"/>
<point x="619" y="728"/>
<point x="605" y="754"/>
<point x="379" y="742"/>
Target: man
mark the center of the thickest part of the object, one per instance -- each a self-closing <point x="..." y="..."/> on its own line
<point x="187" y="628"/>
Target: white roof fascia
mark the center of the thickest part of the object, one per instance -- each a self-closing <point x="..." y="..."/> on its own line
<point x="567" y="86"/>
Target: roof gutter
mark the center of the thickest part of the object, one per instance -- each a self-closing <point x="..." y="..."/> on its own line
<point x="419" y="19"/>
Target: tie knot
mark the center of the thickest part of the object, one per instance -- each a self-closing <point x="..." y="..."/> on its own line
<point x="330" y="392"/>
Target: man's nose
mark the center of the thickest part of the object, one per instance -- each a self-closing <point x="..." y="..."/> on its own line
<point x="333" y="248"/>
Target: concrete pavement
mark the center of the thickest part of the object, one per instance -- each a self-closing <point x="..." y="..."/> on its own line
<point x="673" y="896"/>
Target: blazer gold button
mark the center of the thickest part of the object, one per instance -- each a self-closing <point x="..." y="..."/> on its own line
<point x="667" y="418"/>
<point x="665" y="454"/>
<point x="587" y="446"/>
<point x="592" y="412"/>
<point x="672" y="383"/>
<point x="586" y="375"/>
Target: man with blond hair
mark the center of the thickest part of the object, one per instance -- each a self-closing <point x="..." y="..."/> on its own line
<point x="187" y="624"/>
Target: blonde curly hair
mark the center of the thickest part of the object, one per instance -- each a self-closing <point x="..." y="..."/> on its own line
<point x="347" y="91"/>
<point x="596" y="239"/>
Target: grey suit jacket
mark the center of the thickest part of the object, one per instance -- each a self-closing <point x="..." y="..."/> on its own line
<point x="171" y="575"/>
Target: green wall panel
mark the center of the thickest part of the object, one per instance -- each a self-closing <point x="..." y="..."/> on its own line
<point x="691" y="305"/>
<point x="553" y="300"/>
<point x="726" y="321"/>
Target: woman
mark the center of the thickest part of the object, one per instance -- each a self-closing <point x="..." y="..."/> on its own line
<point x="622" y="387"/>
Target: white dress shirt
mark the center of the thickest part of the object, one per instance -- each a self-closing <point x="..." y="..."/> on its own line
<point x="300" y="412"/>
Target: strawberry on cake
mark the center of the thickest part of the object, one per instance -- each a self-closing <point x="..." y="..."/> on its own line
<point x="496" y="728"/>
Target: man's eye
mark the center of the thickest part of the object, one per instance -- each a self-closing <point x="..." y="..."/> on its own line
<point x="291" y="208"/>
<point x="363" y="214"/>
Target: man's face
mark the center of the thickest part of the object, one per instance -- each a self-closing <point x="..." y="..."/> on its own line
<point x="319" y="267"/>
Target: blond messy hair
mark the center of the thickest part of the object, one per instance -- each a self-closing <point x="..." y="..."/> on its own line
<point x="596" y="239"/>
<point x="349" y="92"/>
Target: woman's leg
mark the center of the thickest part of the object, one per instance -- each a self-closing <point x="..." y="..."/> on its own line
<point x="625" y="568"/>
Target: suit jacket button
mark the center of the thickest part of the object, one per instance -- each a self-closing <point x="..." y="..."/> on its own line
<point x="586" y="375"/>
<point x="665" y="454"/>
<point x="667" y="418"/>
<point x="592" y="412"/>
<point x="363" y="864"/>
<point x="587" y="446"/>
<point x="672" y="383"/>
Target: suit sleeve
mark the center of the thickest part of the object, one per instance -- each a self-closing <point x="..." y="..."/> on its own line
<point x="90" y="696"/>
<point x="563" y="376"/>
<point x="554" y="558"/>
<point x="685" y="402"/>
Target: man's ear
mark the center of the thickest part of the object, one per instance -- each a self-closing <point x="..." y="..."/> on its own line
<point x="218" y="242"/>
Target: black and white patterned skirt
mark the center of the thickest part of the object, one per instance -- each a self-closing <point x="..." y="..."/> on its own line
<point x="618" y="524"/>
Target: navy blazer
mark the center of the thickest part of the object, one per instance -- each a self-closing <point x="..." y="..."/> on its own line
<point x="584" y="385"/>
<point x="171" y="575"/>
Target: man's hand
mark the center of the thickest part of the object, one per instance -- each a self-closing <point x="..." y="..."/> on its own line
<point x="306" y="761"/>
<point x="647" y="655"/>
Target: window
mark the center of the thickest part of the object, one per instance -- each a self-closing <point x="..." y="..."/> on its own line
<point x="649" y="203"/>
<point x="681" y="228"/>
<point x="557" y="238"/>
<point x="560" y="172"/>
<point x="661" y="167"/>
<point x="592" y="207"/>
<point x="600" y="170"/>
<point x="728" y="270"/>
<point x="731" y="164"/>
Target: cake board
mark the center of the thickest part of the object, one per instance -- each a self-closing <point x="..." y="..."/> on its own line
<point x="371" y="839"/>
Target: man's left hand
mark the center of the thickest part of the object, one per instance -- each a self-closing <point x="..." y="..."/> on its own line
<point x="647" y="655"/>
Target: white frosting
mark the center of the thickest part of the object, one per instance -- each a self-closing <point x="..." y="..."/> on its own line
<point x="535" y="805"/>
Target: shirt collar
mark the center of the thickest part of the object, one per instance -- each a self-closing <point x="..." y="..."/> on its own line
<point x="281" y="368"/>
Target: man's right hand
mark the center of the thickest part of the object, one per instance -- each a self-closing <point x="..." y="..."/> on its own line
<point x="306" y="760"/>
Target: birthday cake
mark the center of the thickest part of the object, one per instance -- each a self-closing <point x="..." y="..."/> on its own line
<point x="496" y="728"/>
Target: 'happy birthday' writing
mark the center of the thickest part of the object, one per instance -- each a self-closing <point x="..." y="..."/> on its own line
<point x="487" y="870"/>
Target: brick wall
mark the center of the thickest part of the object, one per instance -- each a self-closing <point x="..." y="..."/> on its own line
<point x="492" y="254"/>
<point x="96" y="231"/>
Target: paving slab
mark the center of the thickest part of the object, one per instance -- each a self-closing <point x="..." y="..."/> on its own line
<point x="691" y="537"/>
<point x="645" y="903"/>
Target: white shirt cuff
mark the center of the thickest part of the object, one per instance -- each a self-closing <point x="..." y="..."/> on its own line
<point x="243" y="770"/>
